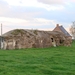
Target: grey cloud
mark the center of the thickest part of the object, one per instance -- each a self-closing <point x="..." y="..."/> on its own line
<point x="60" y="2"/>
<point x="29" y="13"/>
<point x="23" y="12"/>
<point x="7" y="10"/>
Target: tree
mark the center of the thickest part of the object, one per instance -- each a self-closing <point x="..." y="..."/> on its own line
<point x="72" y="29"/>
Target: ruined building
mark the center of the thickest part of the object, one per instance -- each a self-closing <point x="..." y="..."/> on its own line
<point x="24" y="38"/>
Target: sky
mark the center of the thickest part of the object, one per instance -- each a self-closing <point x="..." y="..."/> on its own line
<point x="36" y="14"/>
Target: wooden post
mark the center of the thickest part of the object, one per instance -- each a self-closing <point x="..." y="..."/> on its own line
<point x="1" y="37"/>
<point x="1" y="29"/>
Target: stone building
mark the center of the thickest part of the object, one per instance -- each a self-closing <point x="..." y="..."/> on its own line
<point x="24" y="38"/>
<point x="61" y="29"/>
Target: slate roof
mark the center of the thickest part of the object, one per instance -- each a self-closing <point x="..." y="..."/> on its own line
<point x="64" y="31"/>
<point x="61" y="29"/>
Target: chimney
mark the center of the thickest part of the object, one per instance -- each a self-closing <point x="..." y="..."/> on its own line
<point x="57" y="25"/>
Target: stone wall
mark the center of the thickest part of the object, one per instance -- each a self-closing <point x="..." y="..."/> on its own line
<point x="18" y="39"/>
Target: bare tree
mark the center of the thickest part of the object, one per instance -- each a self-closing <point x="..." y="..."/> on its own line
<point x="72" y="29"/>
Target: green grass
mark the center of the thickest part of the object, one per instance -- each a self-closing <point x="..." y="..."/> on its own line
<point x="38" y="61"/>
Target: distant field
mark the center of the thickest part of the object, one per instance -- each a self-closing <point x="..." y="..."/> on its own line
<point x="38" y="61"/>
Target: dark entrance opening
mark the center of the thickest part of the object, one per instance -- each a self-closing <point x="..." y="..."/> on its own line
<point x="52" y="39"/>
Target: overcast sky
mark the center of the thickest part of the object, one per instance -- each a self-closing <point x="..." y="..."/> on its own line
<point x="36" y="14"/>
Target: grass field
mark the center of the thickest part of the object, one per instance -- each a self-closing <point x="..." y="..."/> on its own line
<point x="38" y="61"/>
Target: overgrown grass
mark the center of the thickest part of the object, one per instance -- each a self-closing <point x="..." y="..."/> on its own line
<point x="38" y="61"/>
